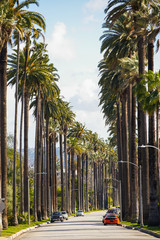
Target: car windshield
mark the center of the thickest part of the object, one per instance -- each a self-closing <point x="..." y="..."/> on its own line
<point x="56" y="213"/>
<point x="79" y="211"/>
<point x="63" y="212"/>
<point x="111" y="211"/>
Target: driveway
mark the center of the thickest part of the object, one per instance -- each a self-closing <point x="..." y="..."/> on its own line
<point x="88" y="227"/>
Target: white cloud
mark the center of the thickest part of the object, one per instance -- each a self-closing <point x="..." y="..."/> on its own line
<point x="60" y="46"/>
<point x="96" y="5"/>
<point x="90" y="18"/>
<point x="93" y="121"/>
<point x="88" y="90"/>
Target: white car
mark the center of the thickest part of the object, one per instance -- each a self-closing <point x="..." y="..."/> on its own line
<point x="64" y="215"/>
<point x="80" y="213"/>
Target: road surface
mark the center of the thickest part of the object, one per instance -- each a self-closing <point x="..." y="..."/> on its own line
<point x="89" y="227"/>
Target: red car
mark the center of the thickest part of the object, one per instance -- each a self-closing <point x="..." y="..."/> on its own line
<point x="111" y="218"/>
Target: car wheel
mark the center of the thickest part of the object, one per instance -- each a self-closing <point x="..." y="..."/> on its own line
<point x="105" y="223"/>
<point x="61" y="220"/>
<point x="66" y="218"/>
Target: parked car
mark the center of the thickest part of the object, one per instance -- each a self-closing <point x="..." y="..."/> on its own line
<point x="56" y="216"/>
<point x="111" y="218"/>
<point x="64" y="214"/>
<point x="104" y="217"/>
<point x="80" y="213"/>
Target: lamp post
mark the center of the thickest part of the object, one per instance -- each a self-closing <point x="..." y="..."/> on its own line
<point x="120" y="194"/>
<point x="140" y="190"/>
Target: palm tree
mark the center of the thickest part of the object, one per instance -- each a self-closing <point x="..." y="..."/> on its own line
<point x="51" y="110"/>
<point x="149" y="100"/>
<point x="72" y="145"/>
<point x="10" y="20"/>
<point x="78" y="131"/>
<point x="41" y="72"/>
<point x="137" y="9"/>
<point x="66" y="119"/>
<point x="15" y="220"/>
<point x="118" y="43"/>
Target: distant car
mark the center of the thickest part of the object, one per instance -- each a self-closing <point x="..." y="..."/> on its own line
<point x="80" y="213"/>
<point x="64" y="214"/>
<point x="118" y="210"/>
<point x="56" y="216"/>
<point x="112" y="210"/>
<point x="111" y="218"/>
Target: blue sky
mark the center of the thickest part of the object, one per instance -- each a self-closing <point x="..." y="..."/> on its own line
<point x="73" y="29"/>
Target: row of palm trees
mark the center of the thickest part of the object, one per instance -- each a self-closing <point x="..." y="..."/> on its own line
<point x="35" y="80"/>
<point x="129" y="97"/>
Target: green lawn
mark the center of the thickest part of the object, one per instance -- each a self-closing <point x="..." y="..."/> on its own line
<point x="12" y="230"/>
<point x="154" y="229"/>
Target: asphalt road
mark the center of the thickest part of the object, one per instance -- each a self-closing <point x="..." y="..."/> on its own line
<point x="88" y="227"/>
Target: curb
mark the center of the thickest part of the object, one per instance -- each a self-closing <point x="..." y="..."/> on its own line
<point x="150" y="232"/>
<point x="143" y="230"/>
<point x="23" y="231"/>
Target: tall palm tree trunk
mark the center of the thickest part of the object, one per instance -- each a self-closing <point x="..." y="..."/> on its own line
<point x="119" y="138"/>
<point x="73" y="181"/>
<point x="99" y="185"/>
<point x="134" y="170"/>
<point x="47" y="167"/>
<point x="43" y="169"/>
<point x="21" y="159"/>
<point x="87" y="182"/>
<point x="26" y="124"/>
<point x="157" y="139"/>
<point x="1" y="227"/>
<point x="15" y="220"/>
<point x="61" y="166"/>
<point x="153" y="208"/>
<point x="53" y="175"/>
<point x="103" y="185"/>
<point x="79" y="180"/>
<point x="142" y="138"/>
<point x="66" y="170"/>
<point x="55" y="169"/>
<point x="125" y="179"/>
<point x="83" y="166"/>
<point x="35" y="165"/>
<point x="95" y="185"/>
<point x="50" y="175"/>
<point x="106" y="185"/>
<point x="26" y="120"/>
<point x="39" y="160"/>
<point x="91" y="183"/>
<point x="69" y="181"/>
<point x="3" y="94"/>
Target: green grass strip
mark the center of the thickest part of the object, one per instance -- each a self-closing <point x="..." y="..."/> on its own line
<point x="14" y="229"/>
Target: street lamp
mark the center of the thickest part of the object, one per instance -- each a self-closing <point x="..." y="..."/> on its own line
<point x="140" y="190"/>
<point x="120" y="194"/>
<point x="144" y="146"/>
